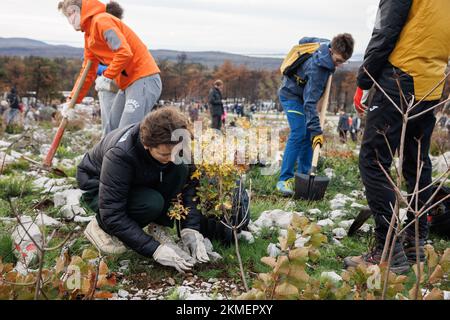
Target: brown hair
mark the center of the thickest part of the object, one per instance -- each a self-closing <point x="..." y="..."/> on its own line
<point x="63" y="5"/>
<point x="343" y="44"/>
<point x="218" y="83"/>
<point x="158" y="126"/>
<point x="115" y="9"/>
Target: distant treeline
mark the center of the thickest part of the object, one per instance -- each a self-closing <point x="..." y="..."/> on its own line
<point x="46" y="77"/>
<point x="181" y="80"/>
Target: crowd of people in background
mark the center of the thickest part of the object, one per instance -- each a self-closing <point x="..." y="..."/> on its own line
<point x="22" y="110"/>
<point x="348" y="124"/>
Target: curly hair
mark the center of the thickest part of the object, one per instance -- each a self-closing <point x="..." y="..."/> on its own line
<point x="115" y="9"/>
<point x="157" y="127"/>
<point x="343" y="44"/>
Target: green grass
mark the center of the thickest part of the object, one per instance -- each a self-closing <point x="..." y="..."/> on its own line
<point x="332" y="256"/>
<point x="71" y="172"/>
<point x="210" y="273"/>
<point x="64" y="152"/>
<point x="16" y="166"/>
<point x="173" y="294"/>
<point x="14" y="129"/>
<point x="261" y="204"/>
<point x="346" y="175"/>
<point x="26" y="204"/>
<point x="76" y="249"/>
<point x="46" y="125"/>
<point x="5" y="209"/>
<point x="12" y="187"/>
<point x="6" y="253"/>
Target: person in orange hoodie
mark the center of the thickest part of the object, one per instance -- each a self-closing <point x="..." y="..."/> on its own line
<point x="130" y="65"/>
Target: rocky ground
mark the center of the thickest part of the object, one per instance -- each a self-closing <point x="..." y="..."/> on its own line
<point x="41" y="198"/>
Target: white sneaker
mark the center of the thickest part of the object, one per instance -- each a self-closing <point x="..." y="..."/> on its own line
<point x="104" y="242"/>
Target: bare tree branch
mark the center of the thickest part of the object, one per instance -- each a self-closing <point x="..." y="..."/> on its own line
<point x="425" y="212"/>
<point x="434" y="182"/>
<point x="390" y="150"/>
<point x="382" y="90"/>
<point x="426" y="111"/>
<point x="397" y="190"/>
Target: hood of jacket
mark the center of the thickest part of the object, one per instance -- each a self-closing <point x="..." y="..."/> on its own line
<point x="90" y="8"/>
<point x="322" y="57"/>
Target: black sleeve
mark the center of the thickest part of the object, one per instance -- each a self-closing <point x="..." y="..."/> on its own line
<point x="214" y="97"/>
<point x="210" y="97"/>
<point x="391" y="18"/>
<point x="11" y="98"/>
<point x="190" y="201"/>
<point x="86" y="177"/>
<point x="115" y="183"/>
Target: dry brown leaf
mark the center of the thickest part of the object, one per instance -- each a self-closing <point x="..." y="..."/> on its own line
<point x="435" y="294"/>
<point x="437" y="275"/>
<point x="270" y="261"/>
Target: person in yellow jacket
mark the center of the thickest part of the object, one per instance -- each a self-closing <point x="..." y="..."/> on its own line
<point x="410" y="42"/>
<point x="130" y="65"/>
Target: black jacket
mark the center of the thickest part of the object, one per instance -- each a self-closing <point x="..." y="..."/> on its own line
<point x="116" y="164"/>
<point x="215" y="101"/>
<point x="411" y="42"/>
<point x="13" y="100"/>
<point x="391" y="18"/>
<point x="343" y="123"/>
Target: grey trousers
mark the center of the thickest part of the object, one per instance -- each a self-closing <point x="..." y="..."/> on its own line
<point x="134" y="103"/>
<point x="106" y="100"/>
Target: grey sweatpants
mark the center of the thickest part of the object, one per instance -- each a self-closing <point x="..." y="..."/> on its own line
<point x="132" y="104"/>
<point x="106" y="100"/>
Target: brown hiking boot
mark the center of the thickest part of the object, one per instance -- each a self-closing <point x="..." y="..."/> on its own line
<point x="399" y="263"/>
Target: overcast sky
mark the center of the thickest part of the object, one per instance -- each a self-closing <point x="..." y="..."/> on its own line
<point x="238" y="26"/>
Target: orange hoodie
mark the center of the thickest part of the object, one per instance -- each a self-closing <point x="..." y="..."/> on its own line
<point x="109" y="41"/>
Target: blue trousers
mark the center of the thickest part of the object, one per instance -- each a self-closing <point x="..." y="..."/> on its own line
<point x="298" y="148"/>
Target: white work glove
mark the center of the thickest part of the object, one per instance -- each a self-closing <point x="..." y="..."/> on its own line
<point x="213" y="256"/>
<point x="195" y="243"/>
<point x="183" y="254"/>
<point x="167" y="256"/>
<point x="162" y="235"/>
<point x="67" y="112"/>
<point x="104" y="84"/>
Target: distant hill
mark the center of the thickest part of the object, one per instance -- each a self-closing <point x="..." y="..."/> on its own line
<point x="215" y="58"/>
<point x="27" y="47"/>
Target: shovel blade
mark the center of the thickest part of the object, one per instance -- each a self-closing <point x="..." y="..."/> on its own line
<point x="362" y="217"/>
<point x="311" y="188"/>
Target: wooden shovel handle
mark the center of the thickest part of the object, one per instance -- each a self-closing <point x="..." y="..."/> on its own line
<point x="326" y="98"/>
<point x="315" y="160"/>
<point x="62" y="126"/>
<point x="323" y="112"/>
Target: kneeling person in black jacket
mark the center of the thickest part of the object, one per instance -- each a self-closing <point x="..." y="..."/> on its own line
<point x="130" y="181"/>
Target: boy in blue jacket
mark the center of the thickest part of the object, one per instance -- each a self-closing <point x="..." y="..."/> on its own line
<point x="299" y="101"/>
